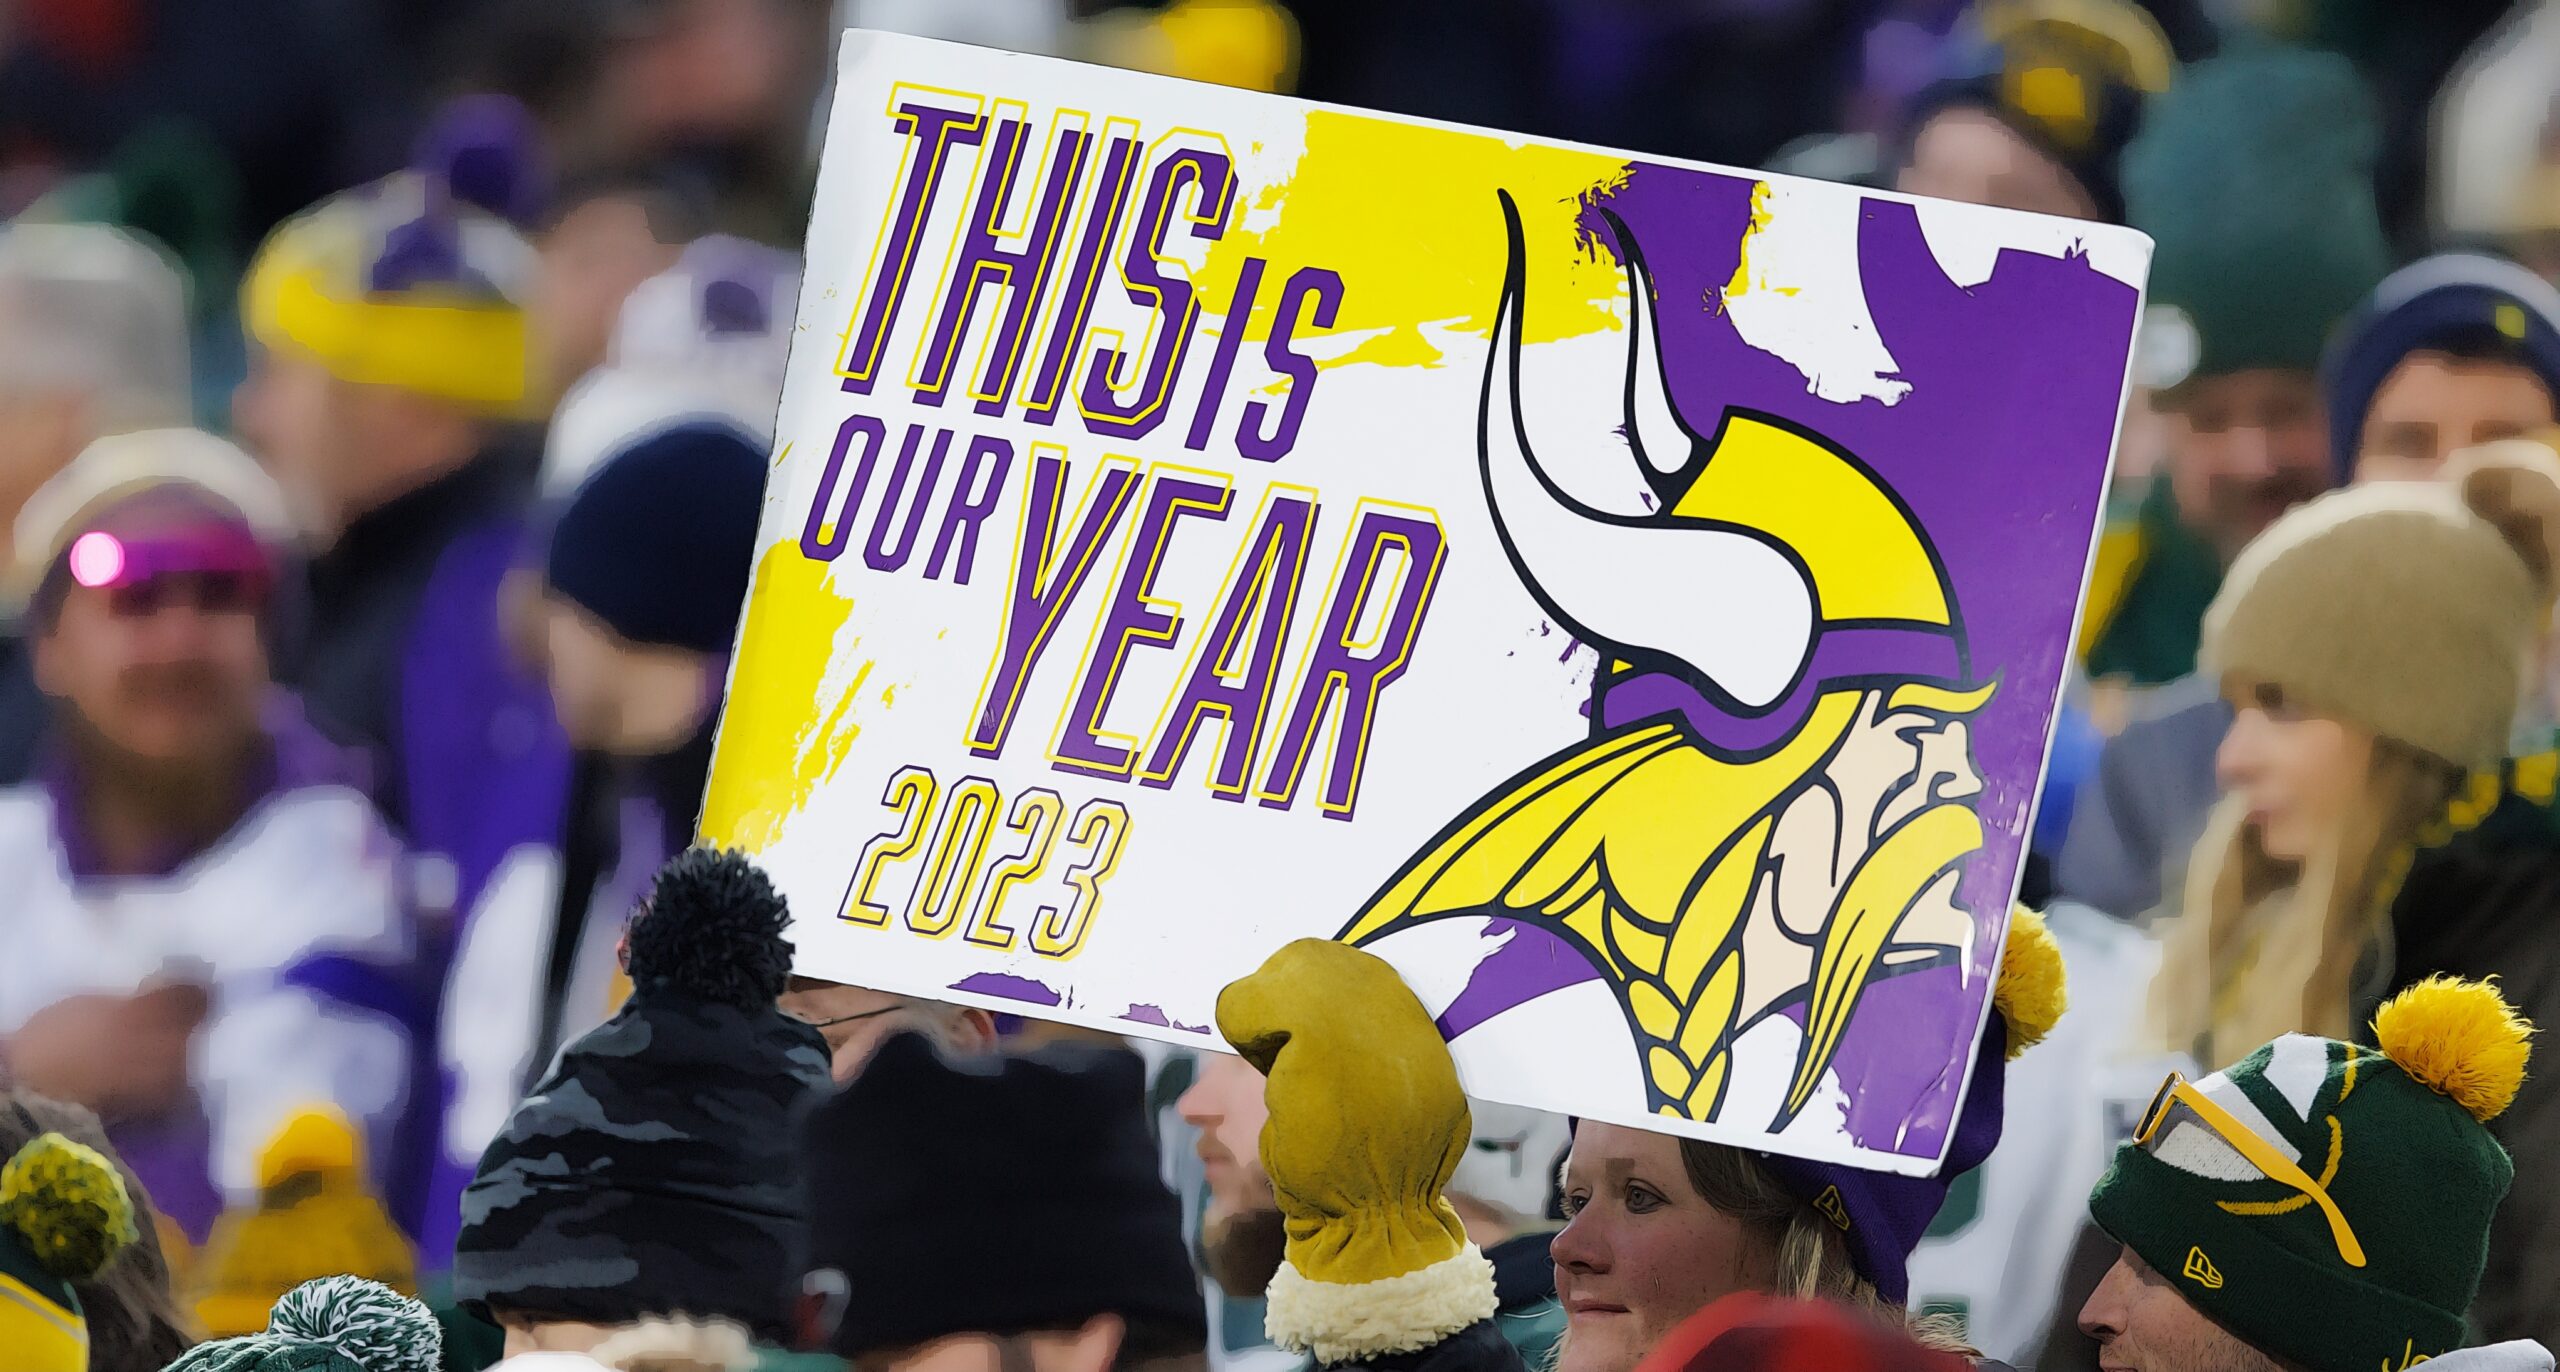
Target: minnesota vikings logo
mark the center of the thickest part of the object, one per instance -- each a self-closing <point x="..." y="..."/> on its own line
<point x="1773" y="807"/>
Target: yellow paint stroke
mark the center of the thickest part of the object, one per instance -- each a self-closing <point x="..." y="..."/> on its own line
<point x="772" y="754"/>
<point x="1742" y="280"/>
<point x="1401" y="346"/>
<point x="1373" y="199"/>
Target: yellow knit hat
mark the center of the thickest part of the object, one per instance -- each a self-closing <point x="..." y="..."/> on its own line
<point x="313" y="1218"/>
<point x="416" y="281"/>
<point x="2406" y="607"/>
<point x="64" y="1215"/>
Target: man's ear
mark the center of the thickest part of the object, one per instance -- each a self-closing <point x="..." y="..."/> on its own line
<point x="976" y="1030"/>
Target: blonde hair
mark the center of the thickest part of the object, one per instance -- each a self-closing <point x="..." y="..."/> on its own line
<point x="1812" y="1255"/>
<point x="2268" y="947"/>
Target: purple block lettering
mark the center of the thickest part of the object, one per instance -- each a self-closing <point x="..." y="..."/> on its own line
<point x="935" y="131"/>
<point x="1324" y="286"/>
<point x="973" y="498"/>
<point x="983" y="261"/>
<point x="1075" y="299"/>
<point x="1338" y="665"/>
<point x="1231" y="676"/>
<point x="1045" y="578"/>
<point x="1134" y="618"/>
<point x="821" y="538"/>
<point x="1214" y="185"/>
<point x="1222" y="362"/>
<point x="881" y="553"/>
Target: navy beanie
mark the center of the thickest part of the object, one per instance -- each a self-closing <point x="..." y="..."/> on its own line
<point x="2428" y="304"/>
<point x="659" y="540"/>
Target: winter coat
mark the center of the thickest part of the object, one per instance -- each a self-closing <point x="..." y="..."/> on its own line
<point x="407" y="653"/>
<point x="2487" y="903"/>
<point x="1480" y="1347"/>
<point x="2142" y="810"/>
<point x="2153" y="622"/>
<point x="1526" y="1315"/>
<point x="1526" y="1310"/>
<point x="2479" y="900"/>
<point x="379" y="589"/>
<point x="294" y="923"/>
<point x="24" y="710"/>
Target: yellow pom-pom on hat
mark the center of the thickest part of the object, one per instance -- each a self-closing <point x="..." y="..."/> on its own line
<point x="2459" y="1038"/>
<point x="2032" y="992"/>
<point x="68" y="1205"/>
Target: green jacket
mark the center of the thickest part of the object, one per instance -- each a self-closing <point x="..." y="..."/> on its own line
<point x="2153" y="626"/>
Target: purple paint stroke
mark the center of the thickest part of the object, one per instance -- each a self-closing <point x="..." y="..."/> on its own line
<point x="1005" y="986"/>
<point x="1532" y="964"/>
<point x="1155" y="1015"/>
<point x="1841" y="654"/>
<point x="1895" y="1078"/>
<point x="1998" y="452"/>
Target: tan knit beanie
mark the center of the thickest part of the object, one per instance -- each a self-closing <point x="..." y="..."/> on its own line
<point x="2405" y="607"/>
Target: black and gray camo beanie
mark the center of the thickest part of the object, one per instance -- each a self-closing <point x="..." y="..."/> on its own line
<point x="652" y="1172"/>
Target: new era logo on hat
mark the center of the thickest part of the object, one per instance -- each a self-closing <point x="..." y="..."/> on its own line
<point x="1831" y="1206"/>
<point x="2357" y="1183"/>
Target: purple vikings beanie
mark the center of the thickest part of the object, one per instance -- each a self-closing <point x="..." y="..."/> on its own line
<point x="1883" y="1215"/>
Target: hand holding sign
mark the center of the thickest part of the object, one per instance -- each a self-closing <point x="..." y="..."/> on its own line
<point x="1367" y="1125"/>
<point x="1628" y="597"/>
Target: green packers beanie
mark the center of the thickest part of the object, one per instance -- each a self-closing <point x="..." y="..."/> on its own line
<point x="2254" y="177"/>
<point x="331" y="1324"/>
<point x="64" y="1215"/>
<point x="2408" y="608"/>
<point x="2371" y="1254"/>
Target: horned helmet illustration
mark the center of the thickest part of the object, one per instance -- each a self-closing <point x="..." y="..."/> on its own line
<point x="1773" y="808"/>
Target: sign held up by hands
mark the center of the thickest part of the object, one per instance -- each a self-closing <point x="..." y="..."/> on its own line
<point x="1628" y="596"/>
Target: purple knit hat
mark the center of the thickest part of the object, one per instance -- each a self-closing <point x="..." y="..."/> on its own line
<point x="1882" y="1214"/>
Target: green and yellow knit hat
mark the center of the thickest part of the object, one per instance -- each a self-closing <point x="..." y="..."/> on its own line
<point x="2330" y="1203"/>
<point x="313" y="1218"/>
<point x="64" y="1215"/>
<point x="417" y="281"/>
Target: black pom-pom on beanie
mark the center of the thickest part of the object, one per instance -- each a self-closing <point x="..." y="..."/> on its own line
<point x="712" y="927"/>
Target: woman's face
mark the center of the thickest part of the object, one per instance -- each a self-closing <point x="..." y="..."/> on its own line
<point x="2297" y="772"/>
<point x="1641" y="1251"/>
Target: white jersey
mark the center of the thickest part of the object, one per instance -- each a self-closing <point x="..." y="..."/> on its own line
<point x="309" y="872"/>
<point x="1995" y="1256"/>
